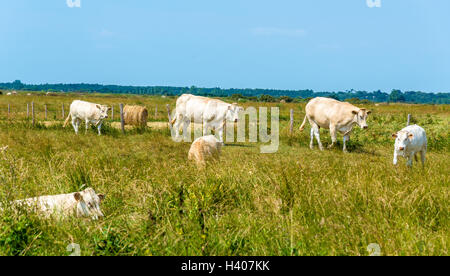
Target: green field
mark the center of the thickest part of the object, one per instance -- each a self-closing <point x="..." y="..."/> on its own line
<point x="294" y="202"/>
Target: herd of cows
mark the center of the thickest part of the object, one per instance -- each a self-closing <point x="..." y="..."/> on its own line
<point x="320" y="112"/>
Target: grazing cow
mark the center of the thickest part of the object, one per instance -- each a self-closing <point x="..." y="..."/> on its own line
<point x="211" y="112"/>
<point x="408" y="142"/>
<point x="204" y="148"/>
<point x="89" y="112"/>
<point x="81" y="204"/>
<point x="333" y="115"/>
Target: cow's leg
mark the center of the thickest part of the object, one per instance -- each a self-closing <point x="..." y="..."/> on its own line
<point x="395" y="158"/>
<point x="333" y="131"/>
<point x="422" y="156"/>
<point x="317" y="134"/>
<point x="78" y="124"/>
<point x="186" y="124"/>
<point x="87" y="126"/>
<point x="311" y="143"/>
<point x="220" y="133"/>
<point x="74" y="124"/>
<point x="99" y="127"/>
<point x="206" y="127"/>
<point x="410" y="159"/>
<point x="345" y="139"/>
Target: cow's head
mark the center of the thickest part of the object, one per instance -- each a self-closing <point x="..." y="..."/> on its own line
<point x="402" y="140"/>
<point x="103" y="111"/>
<point x="88" y="203"/>
<point x="361" y="117"/>
<point x="233" y="112"/>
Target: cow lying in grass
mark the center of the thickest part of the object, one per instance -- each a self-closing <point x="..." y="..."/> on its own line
<point x="204" y="148"/>
<point x="81" y="204"/>
<point x="408" y="142"/>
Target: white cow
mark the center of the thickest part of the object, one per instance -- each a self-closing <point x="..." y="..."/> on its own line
<point x="88" y="112"/>
<point x="408" y="142"/>
<point x="333" y="115"/>
<point x="204" y="148"/>
<point x="211" y="112"/>
<point x="81" y="204"/>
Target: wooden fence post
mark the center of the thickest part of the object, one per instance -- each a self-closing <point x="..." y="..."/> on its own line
<point x="122" y="121"/>
<point x="9" y="109"/>
<point x="169" y="116"/>
<point x="62" y="109"/>
<point x="291" y="124"/>
<point x="45" y="109"/>
<point x="32" y="112"/>
<point x="409" y="120"/>
<point x="112" y="113"/>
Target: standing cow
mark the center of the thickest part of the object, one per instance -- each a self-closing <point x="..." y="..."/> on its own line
<point x="211" y="112"/>
<point x="88" y="112"/>
<point x="408" y="142"/>
<point x="333" y="115"/>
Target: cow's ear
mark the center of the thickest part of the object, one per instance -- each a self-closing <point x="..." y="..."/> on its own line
<point x="368" y="112"/>
<point x="394" y="135"/>
<point x="98" y="106"/>
<point x="355" y="112"/>
<point x="101" y="197"/>
<point x="78" y="196"/>
<point x="410" y="136"/>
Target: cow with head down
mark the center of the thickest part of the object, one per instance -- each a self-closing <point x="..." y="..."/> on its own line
<point x="87" y="112"/>
<point x="334" y="115"/>
<point x="211" y="112"/>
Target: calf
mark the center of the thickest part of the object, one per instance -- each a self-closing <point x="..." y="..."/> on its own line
<point x="88" y="112"/>
<point x="409" y="141"/>
<point x="81" y="204"/>
<point x="204" y="148"/>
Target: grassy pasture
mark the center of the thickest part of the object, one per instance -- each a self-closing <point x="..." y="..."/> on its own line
<point x="293" y="202"/>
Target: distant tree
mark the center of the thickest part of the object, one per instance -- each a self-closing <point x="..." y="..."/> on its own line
<point x="236" y="97"/>
<point x="396" y="96"/>
<point x="286" y="99"/>
<point x="333" y="96"/>
<point x="267" y="98"/>
<point x="17" y="84"/>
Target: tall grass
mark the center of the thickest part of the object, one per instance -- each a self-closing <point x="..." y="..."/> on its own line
<point x="293" y="202"/>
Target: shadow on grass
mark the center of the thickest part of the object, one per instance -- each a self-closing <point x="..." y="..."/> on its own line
<point x="239" y="145"/>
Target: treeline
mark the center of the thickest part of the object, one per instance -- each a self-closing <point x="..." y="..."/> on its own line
<point x="266" y="95"/>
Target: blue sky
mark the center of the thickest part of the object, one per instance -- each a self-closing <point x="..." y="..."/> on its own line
<point x="325" y="45"/>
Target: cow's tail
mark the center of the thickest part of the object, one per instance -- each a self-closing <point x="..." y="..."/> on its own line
<point x="303" y="124"/>
<point x="66" y="122"/>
